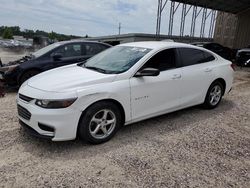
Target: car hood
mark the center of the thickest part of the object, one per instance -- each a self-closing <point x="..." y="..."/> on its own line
<point x="68" y="78"/>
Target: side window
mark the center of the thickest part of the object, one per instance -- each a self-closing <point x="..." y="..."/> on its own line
<point x="103" y="47"/>
<point x="69" y="50"/>
<point x="164" y="60"/>
<point x="191" y="56"/>
<point x="208" y="57"/>
<point x="92" y="49"/>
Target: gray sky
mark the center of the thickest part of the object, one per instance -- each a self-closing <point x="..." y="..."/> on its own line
<point x="92" y="17"/>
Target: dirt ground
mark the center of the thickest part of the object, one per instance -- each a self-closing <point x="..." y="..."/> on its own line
<point x="9" y="55"/>
<point x="188" y="148"/>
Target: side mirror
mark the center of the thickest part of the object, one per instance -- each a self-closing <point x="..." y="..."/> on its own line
<point x="57" y="56"/>
<point x="147" y="72"/>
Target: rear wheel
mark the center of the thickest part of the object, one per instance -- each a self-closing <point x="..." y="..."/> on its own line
<point x="27" y="75"/>
<point x="100" y="122"/>
<point x="214" y="95"/>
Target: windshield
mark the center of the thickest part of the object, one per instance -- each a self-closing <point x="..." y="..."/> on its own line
<point x="45" y="49"/>
<point x="116" y="60"/>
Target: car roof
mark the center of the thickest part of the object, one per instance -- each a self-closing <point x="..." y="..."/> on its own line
<point x="80" y="40"/>
<point x="157" y="45"/>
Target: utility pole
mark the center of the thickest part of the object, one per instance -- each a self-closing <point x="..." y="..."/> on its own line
<point x="120" y="26"/>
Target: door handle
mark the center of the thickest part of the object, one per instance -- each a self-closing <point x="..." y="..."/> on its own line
<point x="176" y="76"/>
<point x="208" y="70"/>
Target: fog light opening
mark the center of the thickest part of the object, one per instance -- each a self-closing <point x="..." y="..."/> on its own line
<point x="45" y="127"/>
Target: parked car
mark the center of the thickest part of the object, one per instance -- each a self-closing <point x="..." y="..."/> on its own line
<point x="122" y="85"/>
<point x="224" y="52"/>
<point x="243" y="57"/>
<point x="52" y="56"/>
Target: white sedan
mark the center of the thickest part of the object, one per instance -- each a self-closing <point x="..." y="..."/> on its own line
<point x="122" y="85"/>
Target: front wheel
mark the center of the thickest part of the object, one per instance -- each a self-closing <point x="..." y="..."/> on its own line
<point x="214" y="95"/>
<point x="100" y="122"/>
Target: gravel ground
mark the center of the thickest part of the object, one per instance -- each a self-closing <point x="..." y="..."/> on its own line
<point x="188" y="148"/>
<point x="10" y="55"/>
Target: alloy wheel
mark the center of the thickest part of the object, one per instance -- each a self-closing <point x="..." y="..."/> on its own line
<point x="215" y="95"/>
<point x="102" y="124"/>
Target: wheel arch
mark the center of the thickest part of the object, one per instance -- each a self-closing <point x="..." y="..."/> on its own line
<point x="117" y="103"/>
<point x="25" y="71"/>
<point x="223" y="82"/>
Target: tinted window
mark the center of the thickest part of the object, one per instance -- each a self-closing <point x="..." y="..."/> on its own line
<point x="164" y="60"/>
<point x="92" y="49"/>
<point x="69" y="50"/>
<point x="208" y="57"/>
<point x="194" y="56"/>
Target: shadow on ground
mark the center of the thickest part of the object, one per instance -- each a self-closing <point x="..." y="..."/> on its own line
<point x="130" y="134"/>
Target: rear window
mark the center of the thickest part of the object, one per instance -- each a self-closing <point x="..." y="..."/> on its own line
<point x="192" y="56"/>
<point x="208" y="57"/>
<point x="94" y="48"/>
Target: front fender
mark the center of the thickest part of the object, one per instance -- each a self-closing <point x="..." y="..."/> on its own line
<point x="119" y="92"/>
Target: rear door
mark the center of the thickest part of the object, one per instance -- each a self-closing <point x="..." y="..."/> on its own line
<point x="151" y="95"/>
<point x="197" y="75"/>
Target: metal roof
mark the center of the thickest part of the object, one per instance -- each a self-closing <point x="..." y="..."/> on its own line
<point x="232" y="6"/>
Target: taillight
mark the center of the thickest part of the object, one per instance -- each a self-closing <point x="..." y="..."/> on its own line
<point x="233" y="66"/>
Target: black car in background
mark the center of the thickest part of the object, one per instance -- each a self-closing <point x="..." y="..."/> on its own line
<point x="52" y="56"/>
<point x="243" y="57"/>
<point x="224" y="52"/>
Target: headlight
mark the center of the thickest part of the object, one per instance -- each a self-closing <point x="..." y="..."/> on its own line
<point x="53" y="104"/>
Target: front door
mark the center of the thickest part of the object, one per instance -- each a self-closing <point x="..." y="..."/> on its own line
<point x="153" y="95"/>
<point x="71" y="53"/>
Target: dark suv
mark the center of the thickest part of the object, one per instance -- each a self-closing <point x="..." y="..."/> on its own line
<point x="243" y="57"/>
<point x="52" y="56"/>
<point x="224" y="52"/>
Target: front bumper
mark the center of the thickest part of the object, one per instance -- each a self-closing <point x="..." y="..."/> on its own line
<point x="10" y="78"/>
<point x="61" y="123"/>
<point x="33" y="132"/>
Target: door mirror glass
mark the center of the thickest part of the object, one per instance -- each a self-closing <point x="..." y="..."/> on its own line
<point x="147" y="72"/>
<point x="57" y="56"/>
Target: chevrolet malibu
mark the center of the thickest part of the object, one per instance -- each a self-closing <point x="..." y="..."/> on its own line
<point x="122" y="85"/>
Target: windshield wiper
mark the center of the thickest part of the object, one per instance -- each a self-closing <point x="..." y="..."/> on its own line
<point x="95" y="69"/>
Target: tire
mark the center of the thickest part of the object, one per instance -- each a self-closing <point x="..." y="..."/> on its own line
<point x="214" y="95"/>
<point x="95" y="125"/>
<point x="27" y="75"/>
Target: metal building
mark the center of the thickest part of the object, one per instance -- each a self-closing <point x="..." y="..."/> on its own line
<point x="232" y="26"/>
<point x="233" y="30"/>
<point x="136" y="37"/>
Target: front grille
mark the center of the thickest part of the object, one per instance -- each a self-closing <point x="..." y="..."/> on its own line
<point x="25" y="98"/>
<point x="22" y="112"/>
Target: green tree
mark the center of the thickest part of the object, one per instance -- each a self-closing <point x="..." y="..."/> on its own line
<point x="7" y="34"/>
<point x="52" y="35"/>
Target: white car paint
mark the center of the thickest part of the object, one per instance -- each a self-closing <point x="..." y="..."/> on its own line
<point x="140" y="97"/>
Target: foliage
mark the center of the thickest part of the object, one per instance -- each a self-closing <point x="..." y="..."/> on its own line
<point x="7" y="34"/>
<point x="27" y="33"/>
